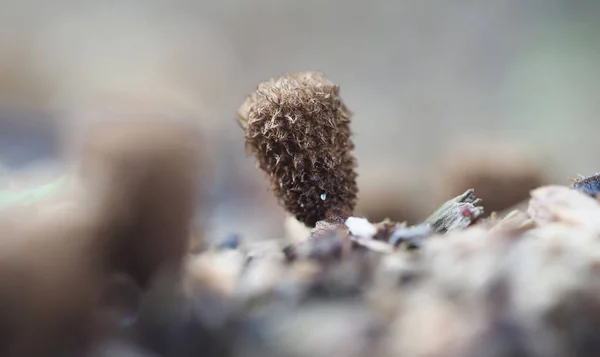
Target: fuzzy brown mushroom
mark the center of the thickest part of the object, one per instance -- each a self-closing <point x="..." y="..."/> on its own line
<point x="298" y="129"/>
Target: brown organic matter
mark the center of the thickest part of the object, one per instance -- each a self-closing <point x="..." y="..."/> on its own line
<point x="299" y="130"/>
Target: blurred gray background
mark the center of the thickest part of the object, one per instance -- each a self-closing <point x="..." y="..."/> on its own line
<point x="422" y="77"/>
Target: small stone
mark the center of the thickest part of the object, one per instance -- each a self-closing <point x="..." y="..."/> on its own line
<point x="361" y="227"/>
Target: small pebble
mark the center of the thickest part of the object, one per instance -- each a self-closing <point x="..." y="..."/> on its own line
<point x="361" y="227"/>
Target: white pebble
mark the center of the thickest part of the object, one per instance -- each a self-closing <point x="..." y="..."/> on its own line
<point x="360" y="227"/>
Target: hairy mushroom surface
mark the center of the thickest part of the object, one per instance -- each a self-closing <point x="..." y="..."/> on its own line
<point x="298" y="129"/>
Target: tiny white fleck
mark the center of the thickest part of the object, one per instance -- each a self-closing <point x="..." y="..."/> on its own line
<point x="323" y="196"/>
<point x="361" y="227"/>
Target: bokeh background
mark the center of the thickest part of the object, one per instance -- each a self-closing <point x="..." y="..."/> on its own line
<point x="428" y="81"/>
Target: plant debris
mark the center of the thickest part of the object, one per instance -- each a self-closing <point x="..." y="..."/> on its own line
<point x="457" y="213"/>
<point x="501" y="174"/>
<point x="588" y="185"/>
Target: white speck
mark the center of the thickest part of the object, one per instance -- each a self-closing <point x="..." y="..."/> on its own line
<point x="360" y="227"/>
<point x="323" y="196"/>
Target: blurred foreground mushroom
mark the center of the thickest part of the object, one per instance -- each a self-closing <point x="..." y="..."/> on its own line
<point x="131" y="216"/>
